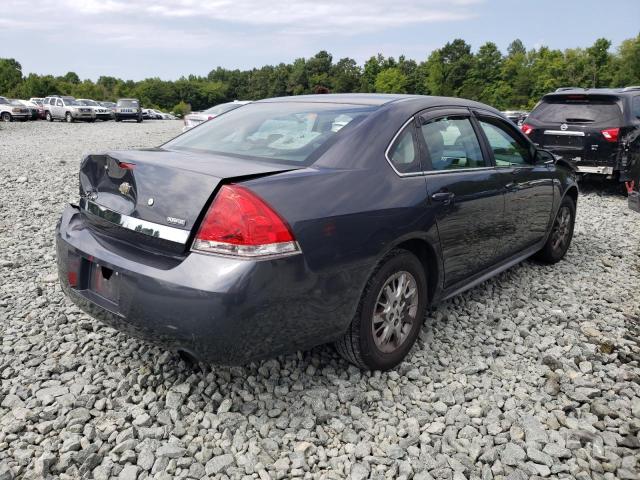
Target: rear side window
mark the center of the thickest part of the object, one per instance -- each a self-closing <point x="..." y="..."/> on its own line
<point x="507" y="150"/>
<point x="403" y="154"/>
<point x="636" y="107"/>
<point x="452" y="144"/>
<point x="578" y="110"/>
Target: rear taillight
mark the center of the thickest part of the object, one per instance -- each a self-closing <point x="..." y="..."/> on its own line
<point x="240" y="223"/>
<point x="611" y="134"/>
<point x="526" y="129"/>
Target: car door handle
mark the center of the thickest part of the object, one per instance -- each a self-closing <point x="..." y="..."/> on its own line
<point x="443" y="197"/>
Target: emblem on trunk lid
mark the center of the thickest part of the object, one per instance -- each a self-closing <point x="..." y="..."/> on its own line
<point x="177" y="221"/>
<point x="564" y="126"/>
<point x="124" y="188"/>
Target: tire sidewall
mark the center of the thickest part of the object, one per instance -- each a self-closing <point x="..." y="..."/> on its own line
<point x="6" y="117"/>
<point x="48" y="117"/>
<point x="374" y="358"/>
<point x="68" y="118"/>
<point x="568" y="202"/>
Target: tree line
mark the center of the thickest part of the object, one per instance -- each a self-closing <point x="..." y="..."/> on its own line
<point x="515" y="79"/>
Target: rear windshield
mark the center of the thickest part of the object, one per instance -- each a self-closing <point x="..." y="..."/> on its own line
<point x="128" y="103"/>
<point x="222" y="108"/>
<point x="286" y="132"/>
<point x="578" y="110"/>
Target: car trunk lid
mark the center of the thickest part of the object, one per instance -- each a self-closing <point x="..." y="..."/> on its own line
<point x="156" y="196"/>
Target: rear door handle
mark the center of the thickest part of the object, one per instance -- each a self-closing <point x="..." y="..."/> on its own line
<point x="443" y="197"/>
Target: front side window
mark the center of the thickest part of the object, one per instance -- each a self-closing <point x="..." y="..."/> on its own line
<point x="452" y="144"/>
<point x="403" y="154"/>
<point x="288" y="131"/>
<point x="507" y="151"/>
<point x="59" y="103"/>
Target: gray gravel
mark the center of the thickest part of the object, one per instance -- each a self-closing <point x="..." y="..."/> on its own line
<point x="532" y="374"/>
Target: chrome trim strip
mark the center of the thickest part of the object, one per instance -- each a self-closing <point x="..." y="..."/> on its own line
<point x="135" y="224"/>
<point x="568" y="133"/>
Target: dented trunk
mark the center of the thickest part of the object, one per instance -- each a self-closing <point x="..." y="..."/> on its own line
<point x="157" y="196"/>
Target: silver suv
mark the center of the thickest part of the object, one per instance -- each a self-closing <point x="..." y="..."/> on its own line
<point x="67" y="108"/>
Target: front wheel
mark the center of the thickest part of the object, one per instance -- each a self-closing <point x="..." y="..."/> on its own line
<point x="6" y="117"/>
<point x="139" y="120"/>
<point x="68" y="117"/>
<point x="561" y="233"/>
<point x="389" y="316"/>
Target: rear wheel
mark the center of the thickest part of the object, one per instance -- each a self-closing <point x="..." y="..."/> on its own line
<point x="139" y="120"/>
<point x="49" y="117"/>
<point x="389" y="315"/>
<point x="561" y="233"/>
<point x="6" y="117"/>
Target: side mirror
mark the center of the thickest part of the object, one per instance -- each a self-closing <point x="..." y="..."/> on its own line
<point x="544" y="157"/>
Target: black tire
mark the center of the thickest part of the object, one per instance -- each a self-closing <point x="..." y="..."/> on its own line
<point x="117" y="119"/>
<point x="48" y="117"/>
<point x="68" y="117"/>
<point x="6" y="117"/>
<point x="358" y="345"/>
<point x="139" y="120"/>
<point x="555" y="249"/>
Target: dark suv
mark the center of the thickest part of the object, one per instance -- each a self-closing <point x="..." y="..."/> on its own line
<point x="128" y="109"/>
<point x="596" y="130"/>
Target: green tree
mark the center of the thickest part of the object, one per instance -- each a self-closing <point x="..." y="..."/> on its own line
<point x="10" y="75"/>
<point x="391" y="80"/>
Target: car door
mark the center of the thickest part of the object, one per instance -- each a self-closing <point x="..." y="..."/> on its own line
<point x="528" y="187"/>
<point x="59" y="108"/>
<point x="464" y="191"/>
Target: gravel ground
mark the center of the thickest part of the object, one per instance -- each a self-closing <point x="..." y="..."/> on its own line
<point x="534" y="373"/>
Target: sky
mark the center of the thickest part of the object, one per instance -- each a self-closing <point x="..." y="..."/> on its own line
<point x="136" y="39"/>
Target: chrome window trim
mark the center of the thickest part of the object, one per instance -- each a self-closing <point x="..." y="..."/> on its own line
<point x="424" y="172"/>
<point x="144" y="227"/>
<point x="568" y="133"/>
<point x="393" y="140"/>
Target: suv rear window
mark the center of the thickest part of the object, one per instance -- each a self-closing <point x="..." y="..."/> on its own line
<point x="578" y="110"/>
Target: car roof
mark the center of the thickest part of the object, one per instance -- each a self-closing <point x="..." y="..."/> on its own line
<point x="409" y="102"/>
<point x="593" y="91"/>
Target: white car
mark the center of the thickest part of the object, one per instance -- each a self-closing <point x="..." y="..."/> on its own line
<point x="196" y="118"/>
<point x="11" y="110"/>
<point x="67" y="109"/>
<point x="102" y="113"/>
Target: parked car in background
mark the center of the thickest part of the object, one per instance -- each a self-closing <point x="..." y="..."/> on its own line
<point x="596" y="130"/>
<point x="194" y="119"/>
<point x="37" y="100"/>
<point x="102" y="113"/>
<point x="296" y="221"/>
<point x="11" y="110"/>
<point x="66" y="108"/>
<point x="35" y="111"/>
<point x="516" y="116"/>
<point x="168" y="116"/>
<point x="110" y="105"/>
<point x="128" y="109"/>
<point x="158" y="115"/>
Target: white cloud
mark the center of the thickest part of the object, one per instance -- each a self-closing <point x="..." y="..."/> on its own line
<point x="284" y="16"/>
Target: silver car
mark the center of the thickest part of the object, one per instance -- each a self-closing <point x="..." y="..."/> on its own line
<point x="68" y="109"/>
<point x="102" y="113"/>
<point x="11" y="110"/>
<point x="196" y="118"/>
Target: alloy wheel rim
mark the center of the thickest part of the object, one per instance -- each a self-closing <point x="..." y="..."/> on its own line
<point x="561" y="229"/>
<point x="395" y="311"/>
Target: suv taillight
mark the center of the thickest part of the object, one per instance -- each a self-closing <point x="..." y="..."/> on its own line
<point x="611" y="134"/>
<point x="526" y="129"/>
<point x="239" y="223"/>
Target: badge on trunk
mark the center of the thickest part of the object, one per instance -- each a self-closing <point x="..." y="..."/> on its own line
<point x="176" y="221"/>
<point x="124" y="188"/>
